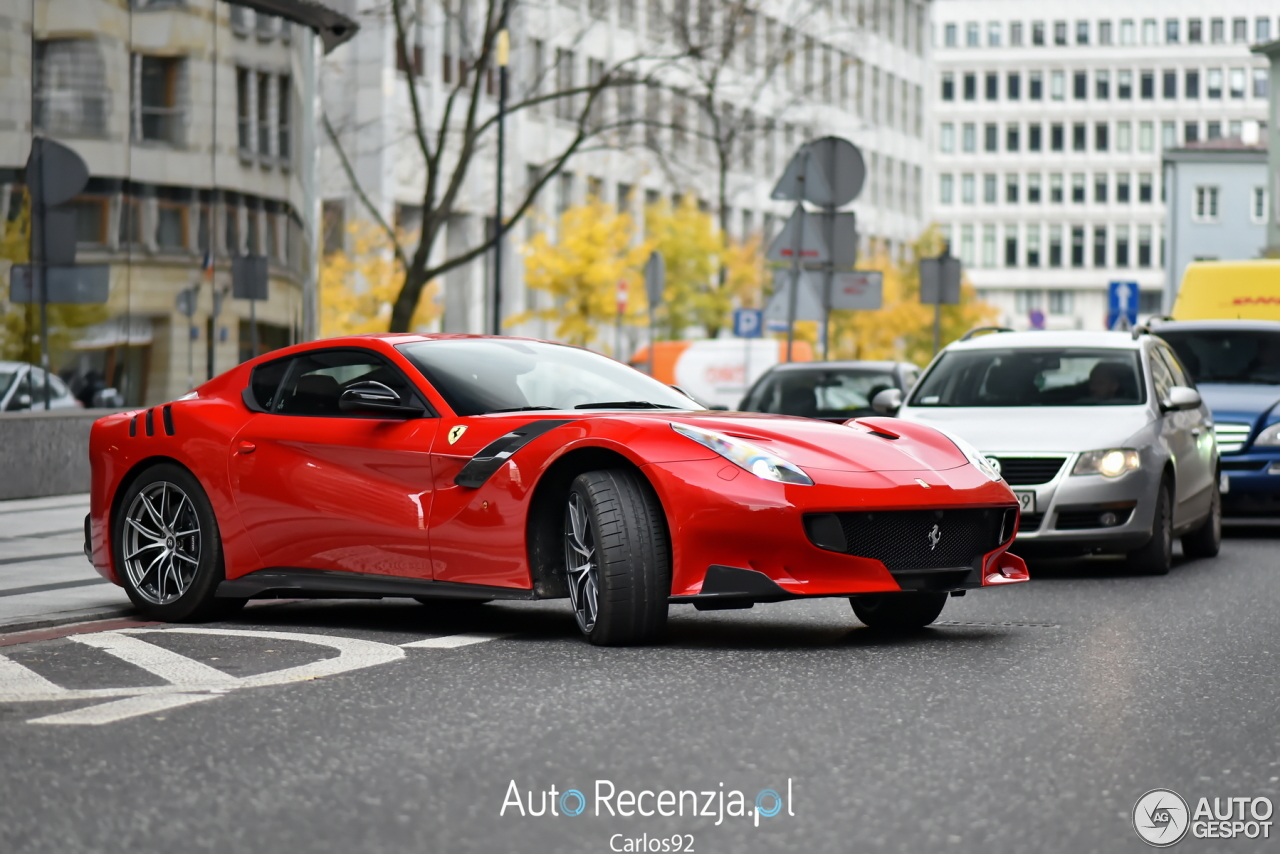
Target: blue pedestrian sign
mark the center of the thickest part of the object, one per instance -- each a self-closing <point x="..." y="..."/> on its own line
<point x="748" y="322"/>
<point x="1122" y="305"/>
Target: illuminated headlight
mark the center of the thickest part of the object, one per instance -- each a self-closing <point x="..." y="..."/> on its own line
<point x="1110" y="463"/>
<point x="754" y="459"/>
<point x="971" y="453"/>
<point x="1269" y="438"/>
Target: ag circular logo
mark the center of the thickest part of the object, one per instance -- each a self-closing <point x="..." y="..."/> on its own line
<point x="1161" y="817"/>
<point x="995" y="464"/>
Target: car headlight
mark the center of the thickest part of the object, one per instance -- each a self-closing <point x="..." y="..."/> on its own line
<point x="754" y="459"/>
<point x="973" y="456"/>
<point x="1269" y="438"/>
<point x="1110" y="463"/>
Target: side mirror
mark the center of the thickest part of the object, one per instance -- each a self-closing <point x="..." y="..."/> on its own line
<point x="1180" y="397"/>
<point x="375" y="399"/>
<point x="22" y="401"/>
<point x="887" y="402"/>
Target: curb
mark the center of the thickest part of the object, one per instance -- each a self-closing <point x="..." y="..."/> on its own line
<point x="62" y="618"/>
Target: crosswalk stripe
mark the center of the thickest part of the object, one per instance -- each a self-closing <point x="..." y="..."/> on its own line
<point x="131" y="707"/>
<point x="170" y="666"/>
<point x="455" y="641"/>
<point x="19" y="682"/>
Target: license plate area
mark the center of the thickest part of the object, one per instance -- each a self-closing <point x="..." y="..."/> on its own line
<point x="1026" y="500"/>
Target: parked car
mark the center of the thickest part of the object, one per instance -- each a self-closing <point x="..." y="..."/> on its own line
<point x="22" y="386"/>
<point x="1236" y="366"/>
<point x="1102" y="436"/>
<point x="828" y="391"/>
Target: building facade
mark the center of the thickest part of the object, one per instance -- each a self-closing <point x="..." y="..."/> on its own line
<point x="853" y="68"/>
<point x="1048" y="129"/>
<point x="196" y="121"/>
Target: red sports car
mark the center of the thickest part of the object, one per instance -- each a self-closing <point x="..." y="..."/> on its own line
<point x="474" y="468"/>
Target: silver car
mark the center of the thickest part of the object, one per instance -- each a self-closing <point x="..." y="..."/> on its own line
<point x="1102" y="436"/>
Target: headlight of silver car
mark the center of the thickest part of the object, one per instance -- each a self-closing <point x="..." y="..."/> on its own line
<point x="1109" y="463"/>
<point x="1269" y="437"/>
<point x="753" y="458"/>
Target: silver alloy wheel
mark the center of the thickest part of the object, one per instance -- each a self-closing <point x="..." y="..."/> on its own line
<point x="161" y="543"/>
<point x="580" y="563"/>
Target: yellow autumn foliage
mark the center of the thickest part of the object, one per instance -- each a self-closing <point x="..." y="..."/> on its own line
<point x="357" y="288"/>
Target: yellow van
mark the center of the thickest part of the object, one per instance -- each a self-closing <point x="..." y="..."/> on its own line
<point x="1229" y="290"/>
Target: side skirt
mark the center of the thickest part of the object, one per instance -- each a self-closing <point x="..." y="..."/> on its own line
<point x="285" y="583"/>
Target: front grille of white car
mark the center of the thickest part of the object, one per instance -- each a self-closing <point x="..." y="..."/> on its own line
<point x="1231" y="437"/>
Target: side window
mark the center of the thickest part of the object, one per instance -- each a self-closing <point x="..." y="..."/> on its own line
<point x="1180" y="375"/>
<point x="1160" y="375"/>
<point x="316" y="381"/>
<point x="265" y="381"/>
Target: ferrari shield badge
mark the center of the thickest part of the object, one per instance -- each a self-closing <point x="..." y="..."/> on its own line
<point x="456" y="431"/>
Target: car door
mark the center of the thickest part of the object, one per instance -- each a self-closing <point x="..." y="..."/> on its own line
<point x="320" y="488"/>
<point x="1176" y="433"/>
<point x="1196" y="472"/>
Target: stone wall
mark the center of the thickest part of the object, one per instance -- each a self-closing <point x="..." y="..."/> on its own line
<point x="45" y="453"/>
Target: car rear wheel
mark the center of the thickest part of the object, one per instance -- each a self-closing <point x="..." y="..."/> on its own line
<point x="168" y="552"/>
<point x="898" y="611"/>
<point x="1156" y="557"/>
<point x="617" y="558"/>
<point x="1206" y="540"/>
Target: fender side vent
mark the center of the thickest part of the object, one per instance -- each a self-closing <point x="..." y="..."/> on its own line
<point x="151" y="422"/>
<point x="133" y="426"/>
<point x="167" y="415"/>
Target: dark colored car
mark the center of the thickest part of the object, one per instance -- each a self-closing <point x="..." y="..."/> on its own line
<point x="829" y="391"/>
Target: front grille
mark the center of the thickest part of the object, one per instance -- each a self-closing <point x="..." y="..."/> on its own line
<point x="1243" y="465"/>
<point x="1028" y="471"/>
<point x="922" y="539"/>
<point x="1231" y="437"/>
<point x="1030" y="522"/>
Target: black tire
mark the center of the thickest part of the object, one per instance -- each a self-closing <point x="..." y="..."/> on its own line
<point x="619" y="570"/>
<point x="1206" y="541"/>
<point x="1156" y="557"/>
<point x="179" y="585"/>
<point x="898" y="611"/>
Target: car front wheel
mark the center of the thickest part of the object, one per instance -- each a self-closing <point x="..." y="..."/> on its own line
<point x="1156" y="557"/>
<point x="1206" y="540"/>
<point x="898" y="611"/>
<point x="617" y="558"/>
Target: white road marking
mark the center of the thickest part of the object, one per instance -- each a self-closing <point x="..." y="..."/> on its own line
<point x="118" y="710"/>
<point x="22" y="684"/>
<point x="453" y="641"/>
<point x="173" y="668"/>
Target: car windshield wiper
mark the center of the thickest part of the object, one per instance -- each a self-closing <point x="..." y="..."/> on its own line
<point x="625" y="404"/>
<point x="520" y="409"/>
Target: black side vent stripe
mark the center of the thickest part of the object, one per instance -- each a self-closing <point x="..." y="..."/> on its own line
<point x="151" y="422"/>
<point x="133" y="426"/>
<point x="167" y="414"/>
<point x="495" y="454"/>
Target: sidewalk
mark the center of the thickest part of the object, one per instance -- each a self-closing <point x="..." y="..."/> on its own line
<point x="45" y="579"/>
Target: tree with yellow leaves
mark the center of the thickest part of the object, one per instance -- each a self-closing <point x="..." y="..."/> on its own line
<point x="903" y="327"/>
<point x="358" y="288"/>
<point x="595" y="250"/>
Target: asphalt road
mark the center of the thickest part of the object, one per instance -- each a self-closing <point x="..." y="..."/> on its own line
<point x="1031" y="719"/>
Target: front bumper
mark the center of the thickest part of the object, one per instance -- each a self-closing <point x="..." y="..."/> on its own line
<point x="1087" y="513"/>
<point x="1251" y="483"/>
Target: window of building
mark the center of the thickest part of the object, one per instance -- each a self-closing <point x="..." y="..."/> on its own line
<point x="1124" y="136"/>
<point x="1147" y="89"/>
<point x="967" y="189"/>
<point x="91" y="220"/>
<point x="1213" y="130"/>
<point x="971" y="87"/>
<point x="1102" y="85"/>
<point x="264" y="115"/>
<point x="1101" y="137"/>
<point x="244" y="109"/>
<point x="946" y="188"/>
<point x="991" y="137"/>
<point x="1169" y="85"/>
<point x="1034" y="137"/>
<point x="989" y="191"/>
<point x="1122" y="187"/>
<point x="1127" y="31"/>
<point x="1146" y="136"/>
<point x="1239" y="29"/>
<point x="1217" y="30"/>
<point x="284" y="118"/>
<point x="947" y="138"/>
<point x="966" y="245"/>
<point x="1082" y="32"/>
<point x="1027" y="301"/>
<point x="993" y="86"/>
<point x="1035" y="86"/>
<point x="1205" y="204"/>
<point x="1061" y="302"/>
<point x="1171" y="31"/>
<point x="1057" y="85"/>
<point x="1077" y="246"/>
<point x="1011" y="188"/>
<point x="1100" y="183"/>
<point x="1191" y="84"/>
<point x="1079" y="136"/>
<point x="1037" y="33"/>
<point x="1168" y="134"/>
<point x="1104" y="32"/>
<point x="1213" y="83"/>
<point x="70" y="95"/>
<point x="948" y="86"/>
<point x="1150" y="31"/>
<point x="1013" y="86"/>
<point x="1077" y="188"/>
<point x="1144" y="188"/>
<point x="969" y="138"/>
<point x="1122" y="246"/>
<point x="171" y="225"/>
<point x="1055" y="188"/>
<point x="1260" y="81"/>
<point x="1124" y="85"/>
<point x="1262" y="30"/>
<point x="1080" y="85"/>
<point x="1258" y="205"/>
<point x="158" y="114"/>
<point x="1057" y="137"/>
<point x="993" y="34"/>
<point x="1055" y="246"/>
<point x="1237" y="82"/>
<point x="1060" y="33"/>
<point x="1144" y="246"/>
<point x="988" y="246"/>
<point x="1015" y="34"/>
<point x="1033" y="246"/>
<point x="972" y="35"/>
<point x="1011" y="245"/>
<point x="1033" y="188"/>
<point x="1011" y="137"/>
<point x="1195" y="34"/>
<point x="950" y="36"/>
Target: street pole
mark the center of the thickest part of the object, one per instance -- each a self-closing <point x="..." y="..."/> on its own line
<point x="937" y="324"/>
<point x="503" y="51"/>
<point x="797" y="248"/>
<point x="39" y="248"/>
<point x="828" y="279"/>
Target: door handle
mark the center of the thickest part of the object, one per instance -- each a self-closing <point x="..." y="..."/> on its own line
<point x="246" y="448"/>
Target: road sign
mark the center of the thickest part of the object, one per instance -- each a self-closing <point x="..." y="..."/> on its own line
<point x="655" y="279"/>
<point x="80" y="284"/>
<point x="186" y="301"/>
<point x="813" y="249"/>
<point x="1122" y="305"/>
<point x="249" y="277"/>
<point x="748" y="322"/>
<point x="1035" y="318"/>
<point x="858" y="291"/>
<point x="940" y="280"/>
<point x="840" y="234"/>
<point x="808" y="301"/>
<point x="54" y="172"/>
<point x="833" y="169"/>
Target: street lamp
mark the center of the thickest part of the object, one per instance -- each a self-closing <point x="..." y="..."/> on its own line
<point x="503" y="55"/>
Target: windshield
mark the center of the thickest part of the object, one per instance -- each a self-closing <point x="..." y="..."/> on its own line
<point x="476" y="376"/>
<point x="1228" y="356"/>
<point x="819" y="394"/>
<point x="1065" y="376"/>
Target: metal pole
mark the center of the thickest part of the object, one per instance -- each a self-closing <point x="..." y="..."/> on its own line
<point x="503" y="48"/>
<point x="651" y="341"/>
<point x="39" y="253"/>
<point x="829" y="275"/>
<point x="797" y="248"/>
<point x="937" y="322"/>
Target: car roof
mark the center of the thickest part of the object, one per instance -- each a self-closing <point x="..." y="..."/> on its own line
<point x="1215" y="325"/>
<point x="1038" y="339"/>
<point x="842" y="365"/>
